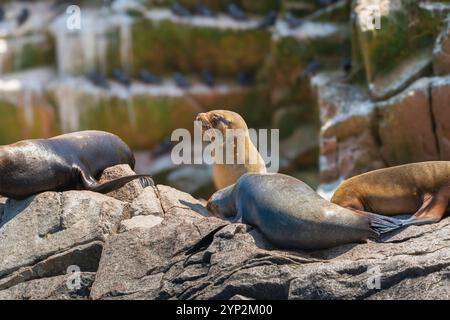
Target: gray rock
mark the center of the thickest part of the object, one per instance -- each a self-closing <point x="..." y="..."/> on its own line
<point x="174" y="251"/>
<point x="147" y="203"/>
<point x="239" y="264"/>
<point x="85" y="257"/>
<point x="51" y="223"/>
<point x="175" y="201"/>
<point x="128" y="192"/>
<point x="140" y="222"/>
<point x="54" y="288"/>
<point x="148" y="263"/>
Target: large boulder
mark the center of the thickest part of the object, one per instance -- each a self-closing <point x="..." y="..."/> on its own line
<point x="239" y="262"/>
<point x="172" y="249"/>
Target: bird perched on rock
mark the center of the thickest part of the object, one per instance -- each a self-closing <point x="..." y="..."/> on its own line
<point x="207" y="78"/>
<point x="121" y="76"/>
<point x="181" y="81"/>
<point x="347" y="64"/>
<point x="292" y="21"/>
<point x="97" y="79"/>
<point x="148" y="77"/>
<point x="310" y="69"/>
<point x="204" y="11"/>
<point x="269" y="20"/>
<point x="23" y="16"/>
<point x="246" y="78"/>
<point x="179" y="10"/>
<point x="236" y="13"/>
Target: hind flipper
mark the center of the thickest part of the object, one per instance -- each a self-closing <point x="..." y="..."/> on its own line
<point x="147" y="182"/>
<point x="381" y="224"/>
<point x="115" y="184"/>
<point x="91" y="184"/>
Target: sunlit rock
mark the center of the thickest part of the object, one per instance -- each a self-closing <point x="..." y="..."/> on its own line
<point x="396" y="40"/>
<point x="405" y="126"/>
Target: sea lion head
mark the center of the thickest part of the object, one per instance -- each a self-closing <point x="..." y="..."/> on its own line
<point x="221" y="120"/>
<point x="222" y="203"/>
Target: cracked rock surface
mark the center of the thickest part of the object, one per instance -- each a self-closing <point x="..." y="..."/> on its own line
<point x="136" y="244"/>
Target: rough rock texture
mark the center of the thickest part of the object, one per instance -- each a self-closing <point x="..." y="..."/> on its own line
<point x="410" y="115"/>
<point x="151" y="256"/>
<point x="240" y="262"/>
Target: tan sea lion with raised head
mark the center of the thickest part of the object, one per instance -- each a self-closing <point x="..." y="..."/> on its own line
<point x="225" y="174"/>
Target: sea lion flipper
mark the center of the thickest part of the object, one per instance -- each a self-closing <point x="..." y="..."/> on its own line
<point x="382" y="224"/>
<point x="91" y="184"/>
<point x="120" y="182"/>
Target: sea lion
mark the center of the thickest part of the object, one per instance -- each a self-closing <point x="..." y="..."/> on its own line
<point x="71" y="161"/>
<point x="421" y="189"/>
<point x="292" y="215"/>
<point x="227" y="174"/>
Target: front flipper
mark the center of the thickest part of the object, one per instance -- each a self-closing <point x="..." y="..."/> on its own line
<point x="91" y="184"/>
<point x="432" y="210"/>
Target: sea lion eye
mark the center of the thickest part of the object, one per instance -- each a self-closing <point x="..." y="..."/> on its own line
<point x="217" y="118"/>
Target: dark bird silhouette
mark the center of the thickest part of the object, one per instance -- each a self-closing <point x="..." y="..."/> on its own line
<point x="246" y="78"/>
<point x="207" y="78"/>
<point x="148" y="77"/>
<point x="121" y="76"/>
<point x="97" y="79"/>
<point x="325" y="3"/>
<point x="181" y="81"/>
<point x="2" y="14"/>
<point x="269" y="20"/>
<point x="23" y="16"/>
<point x="204" y="11"/>
<point x="310" y="69"/>
<point x="179" y="10"/>
<point x="347" y="64"/>
<point x="236" y="13"/>
<point x="292" y="21"/>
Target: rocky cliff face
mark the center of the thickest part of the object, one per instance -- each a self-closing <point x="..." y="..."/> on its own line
<point x="134" y="244"/>
<point x="393" y="108"/>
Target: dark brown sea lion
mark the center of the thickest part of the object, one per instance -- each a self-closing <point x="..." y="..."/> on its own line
<point x="71" y="161"/>
<point x="421" y="189"/>
<point x="292" y="215"/>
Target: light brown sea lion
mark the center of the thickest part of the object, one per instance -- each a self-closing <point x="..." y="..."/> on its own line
<point x="71" y="161"/>
<point x="227" y="174"/>
<point x="292" y="215"/>
<point x="421" y="189"/>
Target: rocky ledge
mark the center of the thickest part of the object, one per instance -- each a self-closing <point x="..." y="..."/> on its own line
<point x="135" y="244"/>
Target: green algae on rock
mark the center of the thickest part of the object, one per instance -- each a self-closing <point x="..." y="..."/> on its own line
<point x="398" y="50"/>
<point x="225" y="47"/>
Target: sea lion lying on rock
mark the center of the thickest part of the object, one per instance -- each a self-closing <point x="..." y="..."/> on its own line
<point x="292" y="215"/>
<point x="421" y="189"/>
<point x="71" y="161"/>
